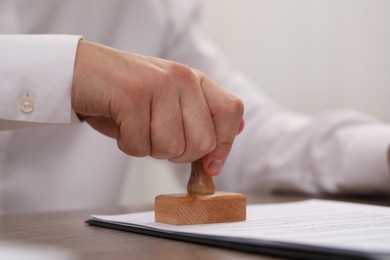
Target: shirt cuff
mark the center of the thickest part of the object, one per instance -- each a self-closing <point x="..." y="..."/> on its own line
<point x="36" y="74"/>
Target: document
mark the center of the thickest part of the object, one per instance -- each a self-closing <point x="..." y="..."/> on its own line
<point x="306" y="229"/>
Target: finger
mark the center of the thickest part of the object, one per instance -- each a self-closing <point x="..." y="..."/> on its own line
<point x="200" y="135"/>
<point x="227" y="111"/>
<point x="167" y="134"/>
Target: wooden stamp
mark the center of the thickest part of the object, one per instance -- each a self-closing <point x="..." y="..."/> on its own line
<point x="202" y="205"/>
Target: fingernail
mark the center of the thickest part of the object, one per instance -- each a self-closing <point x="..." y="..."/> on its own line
<point x="215" y="166"/>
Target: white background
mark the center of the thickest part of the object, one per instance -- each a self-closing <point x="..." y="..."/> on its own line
<point x="309" y="55"/>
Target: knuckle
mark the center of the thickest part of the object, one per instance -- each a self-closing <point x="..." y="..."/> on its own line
<point x="235" y="106"/>
<point x="183" y="73"/>
<point x="175" y="149"/>
<point x="171" y="150"/>
<point x="195" y="150"/>
<point x="136" y="151"/>
<point x="239" y="106"/>
<point x="140" y="152"/>
<point x="207" y="145"/>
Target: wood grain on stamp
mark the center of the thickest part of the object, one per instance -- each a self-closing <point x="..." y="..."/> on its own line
<point x="201" y="204"/>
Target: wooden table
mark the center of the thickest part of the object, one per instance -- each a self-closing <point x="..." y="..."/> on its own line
<point x="67" y="230"/>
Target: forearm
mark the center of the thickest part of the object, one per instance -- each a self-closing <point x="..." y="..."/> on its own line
<point x="332" y="153"/>
<point x="40" y="67"/>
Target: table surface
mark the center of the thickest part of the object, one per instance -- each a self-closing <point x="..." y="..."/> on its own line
<point x="67" y="231"/>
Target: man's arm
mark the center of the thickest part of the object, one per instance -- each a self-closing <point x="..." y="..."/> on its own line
<point x="150" y="106"/>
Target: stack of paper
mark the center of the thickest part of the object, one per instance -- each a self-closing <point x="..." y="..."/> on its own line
<point x="306" y="229"/>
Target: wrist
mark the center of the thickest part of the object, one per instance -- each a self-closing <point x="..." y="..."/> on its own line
<point x="76" y="76"/>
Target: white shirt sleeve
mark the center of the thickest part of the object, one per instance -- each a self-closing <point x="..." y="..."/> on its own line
<point x="340" y="152"/>
<point x="38" y="68"/>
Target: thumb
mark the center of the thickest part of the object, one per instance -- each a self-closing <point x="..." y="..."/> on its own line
<point x="214" y="161"/>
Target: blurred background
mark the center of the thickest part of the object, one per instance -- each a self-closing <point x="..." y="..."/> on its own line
<point x="308" y="55"/>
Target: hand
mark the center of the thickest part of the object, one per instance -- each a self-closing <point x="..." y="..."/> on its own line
<point x="155" y="107"/>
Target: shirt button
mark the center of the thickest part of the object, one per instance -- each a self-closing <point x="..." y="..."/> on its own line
<point x="26" y="104"/>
